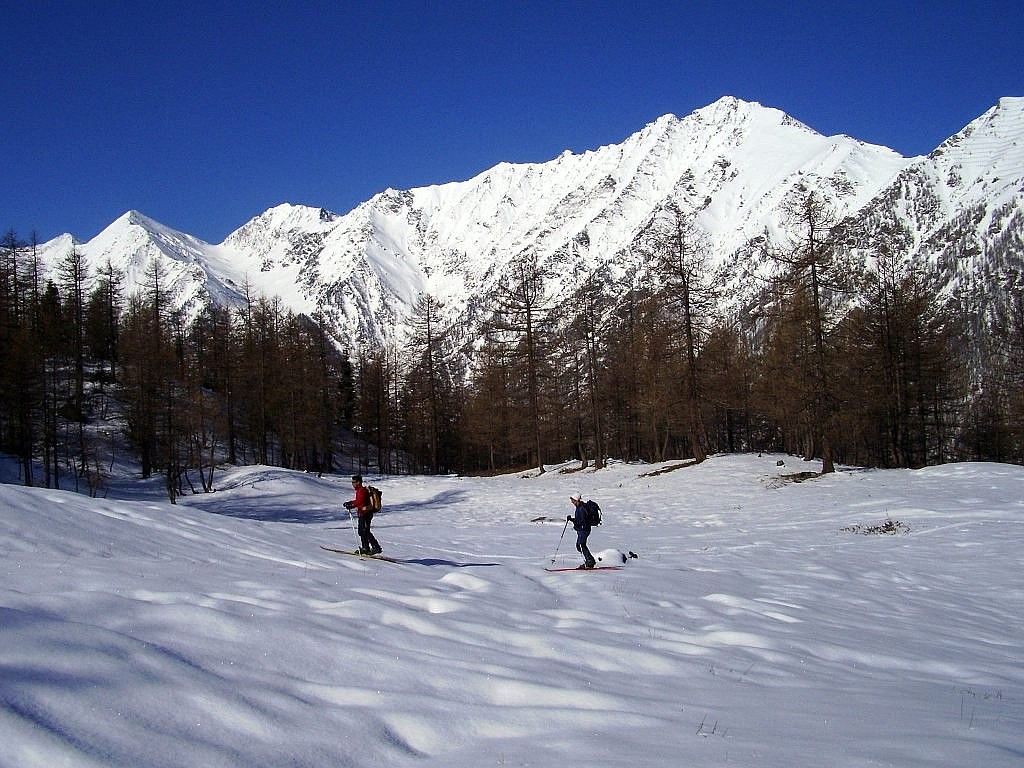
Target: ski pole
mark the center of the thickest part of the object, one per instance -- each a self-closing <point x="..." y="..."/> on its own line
<point x="355" y="533"/>
<point x="564" y="529"/>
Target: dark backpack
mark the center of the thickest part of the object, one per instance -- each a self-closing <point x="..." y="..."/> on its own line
<point x="375" y="498"/>
<point x="592" y="513"/>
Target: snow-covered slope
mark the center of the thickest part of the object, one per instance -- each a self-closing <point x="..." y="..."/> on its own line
<point x="752" y="630"/>
<point x="984" y="163"/>
<point x="978" y="173"/>
<point x="960" y="213"/>
<point x="733" y="164"/>
<point x="191" y="271"/>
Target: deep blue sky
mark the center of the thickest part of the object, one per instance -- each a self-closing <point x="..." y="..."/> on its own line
<point x="203" y="115"/>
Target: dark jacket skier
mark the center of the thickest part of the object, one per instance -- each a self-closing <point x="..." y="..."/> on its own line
<point x="581" y="525"/>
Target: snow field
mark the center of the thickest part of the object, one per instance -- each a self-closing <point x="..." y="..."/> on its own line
<point x="751" y="630"/>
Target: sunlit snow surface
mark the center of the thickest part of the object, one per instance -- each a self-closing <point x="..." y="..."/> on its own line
<point x="751" y="631"/>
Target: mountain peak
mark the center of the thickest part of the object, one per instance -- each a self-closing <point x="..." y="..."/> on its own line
<point x="732" y="164"/>
<point x="131" y="224"/>
<point x="729" y="106"/>
<point x="289" y="215"/>
<point x="133" y="218"/>
<point x="988" y="150"/>
<point x="733" y="103"/>
<point x="284" y="217"/>
<point x="752" y="115"/>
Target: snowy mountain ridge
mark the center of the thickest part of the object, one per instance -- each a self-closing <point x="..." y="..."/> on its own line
<point x="732" y="164"/>
<point x="960" y="212"/>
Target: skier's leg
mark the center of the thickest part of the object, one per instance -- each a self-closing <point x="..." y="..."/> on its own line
<point x="588" y="558"/>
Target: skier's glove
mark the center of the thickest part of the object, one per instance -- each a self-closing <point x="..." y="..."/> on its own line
<point x="568" y="518"/>
<point x="348" y="504"/>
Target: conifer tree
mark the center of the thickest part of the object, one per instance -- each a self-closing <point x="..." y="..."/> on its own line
<point x="728" y="365"/>
<point x="678" y="255"/>
<point x="146" y="349"/>
<point x="74" y="282"/>
<point x="490" y="411"/>
<point x="103" y="316"/>
<point x="585" y="341"/>
<point x="20" y="353"/>
<point x="427" y="380"/>
<point x="810" y="270"/>
<point x="377" y="404"/>
<point x="523" y="320"/>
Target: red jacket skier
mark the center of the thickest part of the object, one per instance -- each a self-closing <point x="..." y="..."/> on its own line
<point x="361" y="504"/>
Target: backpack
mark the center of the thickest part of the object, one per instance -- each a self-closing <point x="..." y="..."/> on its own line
<point x="593" y="513"/>
<point x="375" y="496"/>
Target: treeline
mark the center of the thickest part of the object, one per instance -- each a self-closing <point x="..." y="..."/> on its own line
<point x="832" y="361"/>
<point x="85" y="366"/>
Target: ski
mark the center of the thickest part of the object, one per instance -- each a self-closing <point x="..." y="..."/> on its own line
<point x="349" y="552"/>
<point x="595" y="568"/>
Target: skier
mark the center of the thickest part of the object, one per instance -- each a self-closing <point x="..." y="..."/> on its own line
<point x="361" y="504"/>
<point x="581" y="524"/>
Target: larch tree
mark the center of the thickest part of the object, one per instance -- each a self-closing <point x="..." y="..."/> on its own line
<point x="678" y="253"/>
<point x="809" y="266"/>
<point x="523" y="318"/>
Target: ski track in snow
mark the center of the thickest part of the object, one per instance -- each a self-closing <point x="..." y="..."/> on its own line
<point x="751" y="630"/>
